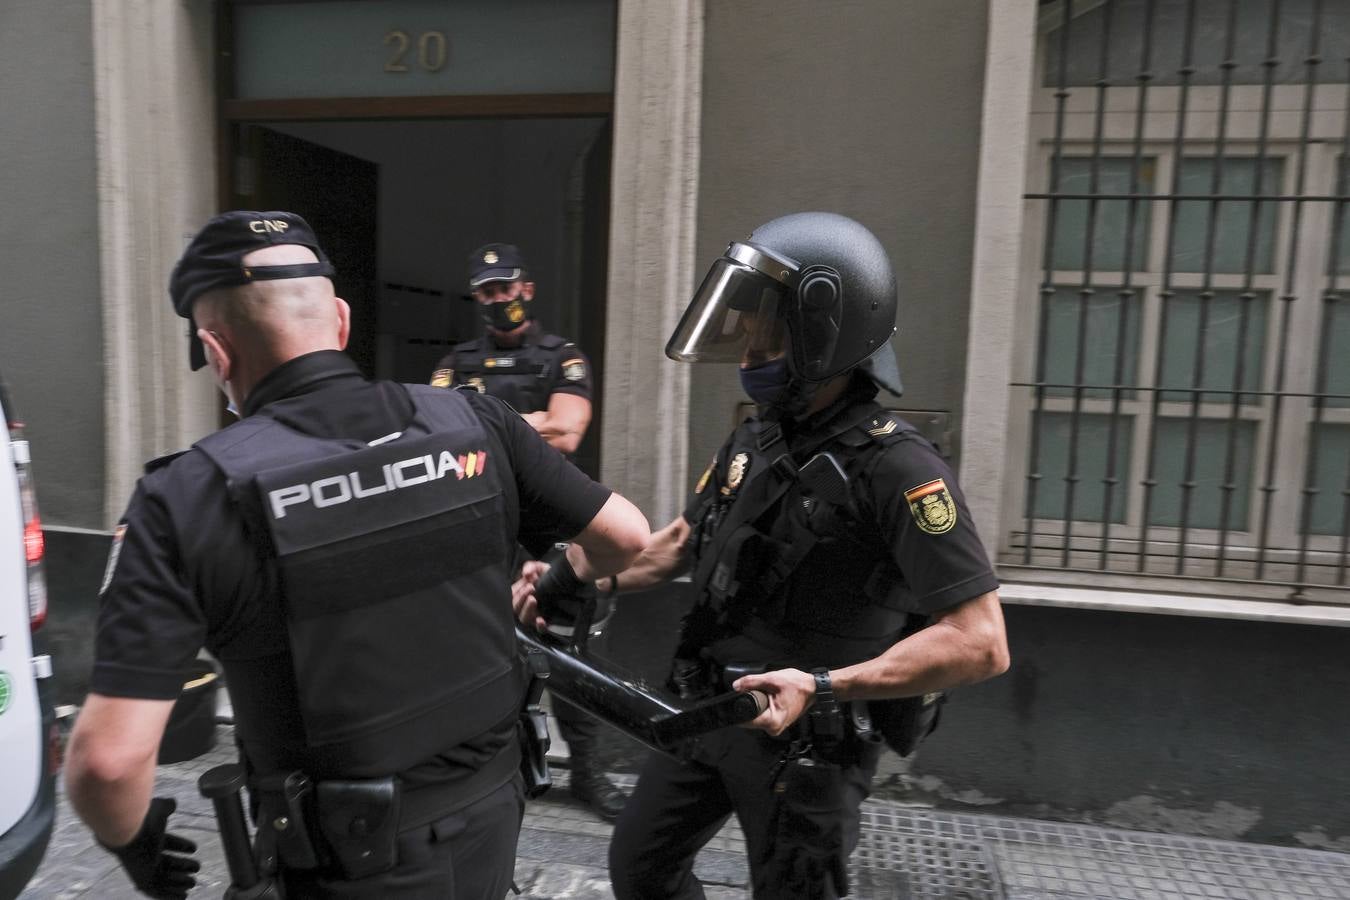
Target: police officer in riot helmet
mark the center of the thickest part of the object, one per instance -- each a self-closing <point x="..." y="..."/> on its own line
<point x="835" y="567"/>
<point x="547" y="379"/>
<point x="345" y="551"/>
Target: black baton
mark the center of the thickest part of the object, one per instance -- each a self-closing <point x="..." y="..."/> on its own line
<point x="222" y="786"/>
<point x="628" y="703"/>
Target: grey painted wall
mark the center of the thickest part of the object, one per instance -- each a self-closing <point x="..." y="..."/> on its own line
<point x="51" y="336"/>
<point x="870" y="108"/>
<point x="1202" y="726"/>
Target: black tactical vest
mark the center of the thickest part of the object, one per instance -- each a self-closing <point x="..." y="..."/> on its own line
<point x="392" y="566"/>
<point x="522" y="376"/>
<point x="780" y="554"/>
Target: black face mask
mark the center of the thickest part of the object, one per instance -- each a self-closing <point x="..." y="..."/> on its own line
<point x="505" y="316"/>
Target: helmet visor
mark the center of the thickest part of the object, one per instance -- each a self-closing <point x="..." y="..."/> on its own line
<point x="736" y="316"/>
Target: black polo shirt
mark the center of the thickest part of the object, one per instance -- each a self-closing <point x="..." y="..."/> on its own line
<point x="183" y="573"/>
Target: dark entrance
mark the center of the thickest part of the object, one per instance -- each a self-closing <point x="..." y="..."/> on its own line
<point x="399" y="204"/>
<point x="336" y="194"/>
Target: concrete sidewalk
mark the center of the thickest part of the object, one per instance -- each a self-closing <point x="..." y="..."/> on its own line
<point x="906" y="852"/>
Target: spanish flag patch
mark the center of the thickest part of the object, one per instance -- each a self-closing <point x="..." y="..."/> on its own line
<point x="932" y="506"/>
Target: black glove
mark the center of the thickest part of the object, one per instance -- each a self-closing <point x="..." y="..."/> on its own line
<point x="160" y="864"/>
<point x="559" y="592"/>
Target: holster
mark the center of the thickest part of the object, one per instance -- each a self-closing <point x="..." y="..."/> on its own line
<point x="359" y="821"/>
<point x="286" y="819"/>
<point x="532" y="729"/>
<point x="904" y="723"/>
<point x="808" y="859"/>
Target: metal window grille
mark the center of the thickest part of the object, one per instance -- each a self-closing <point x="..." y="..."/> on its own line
<point x="1187" y="408"/>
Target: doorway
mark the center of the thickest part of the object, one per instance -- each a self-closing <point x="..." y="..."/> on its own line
<point x="399" y="204"/>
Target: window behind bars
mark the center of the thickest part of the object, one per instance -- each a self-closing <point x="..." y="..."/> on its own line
<point x="1183" y="417"/>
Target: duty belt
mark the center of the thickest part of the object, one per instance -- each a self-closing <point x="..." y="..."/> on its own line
<point x="355" y="822"/>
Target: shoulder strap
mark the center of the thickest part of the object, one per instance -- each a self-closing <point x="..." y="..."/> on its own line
<point x="160" y="462"/>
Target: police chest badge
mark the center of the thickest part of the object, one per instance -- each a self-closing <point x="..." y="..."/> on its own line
<point x="932" y="506"/>
<point x="574" y="369"/>
<point x="736" y="473"/>
<point x="442" y="377"/>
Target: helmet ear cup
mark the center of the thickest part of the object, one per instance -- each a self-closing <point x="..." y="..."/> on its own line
<point x="820" y="288"/>
<point x="820" y="299"/>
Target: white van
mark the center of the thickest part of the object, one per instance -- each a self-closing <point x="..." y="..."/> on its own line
<point x="30" y="749"/>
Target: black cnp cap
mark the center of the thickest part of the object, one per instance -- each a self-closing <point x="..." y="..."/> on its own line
<point x="214" y="260"/>
<point x="496" y="262"/>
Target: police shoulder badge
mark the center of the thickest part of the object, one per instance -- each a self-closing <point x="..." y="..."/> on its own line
<point x="442" y="377"/>
<point x="932" y="506"/>
<point x="574" y="369"/>
<point x="736" y="472"/>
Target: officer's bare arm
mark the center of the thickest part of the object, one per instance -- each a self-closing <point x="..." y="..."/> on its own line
<point x="962" y="645"/>
<point x="564" y="423"/>
<point x="665" y="558"/>
<point x="612" y="540"/>
<point x="110" y="767"/>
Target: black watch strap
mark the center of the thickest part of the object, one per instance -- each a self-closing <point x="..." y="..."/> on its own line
<point x="824" y="689"/>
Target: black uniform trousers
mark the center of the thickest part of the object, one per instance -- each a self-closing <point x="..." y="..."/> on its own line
<point x="678" y="807"/>
<point x="469" y="854"/>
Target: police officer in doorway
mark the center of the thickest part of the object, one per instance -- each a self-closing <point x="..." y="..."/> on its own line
<point x="835" y="565"/>
<point x="344" y="550"/>
<point x="547" y="379"/>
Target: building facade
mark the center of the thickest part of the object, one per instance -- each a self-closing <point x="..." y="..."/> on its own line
<point x="1117" y="231"/>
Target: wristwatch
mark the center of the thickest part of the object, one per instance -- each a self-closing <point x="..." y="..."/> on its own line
<point x="825" y="716"/>
<point x="824" y="689"/>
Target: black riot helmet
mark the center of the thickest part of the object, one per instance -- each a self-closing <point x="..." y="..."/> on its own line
<point x="817" y="285"/>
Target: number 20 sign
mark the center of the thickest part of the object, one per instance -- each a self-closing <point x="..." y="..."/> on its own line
<point x="430" y="55"/>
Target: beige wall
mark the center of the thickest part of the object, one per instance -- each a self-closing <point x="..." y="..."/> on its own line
<point x="870" y="108"/>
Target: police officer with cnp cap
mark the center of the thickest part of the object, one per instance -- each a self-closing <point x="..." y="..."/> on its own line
<point x="344" y="550"/>
<point x="834" y="563"/>
<point x="547" y="379"/>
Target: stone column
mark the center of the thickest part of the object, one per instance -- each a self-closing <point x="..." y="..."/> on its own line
<point x="995" y="278"/>
<point x="155" y="133"/>
<point x="658" y="84"/>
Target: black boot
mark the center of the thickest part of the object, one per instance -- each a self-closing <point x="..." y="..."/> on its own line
<point x="589" y="784"/>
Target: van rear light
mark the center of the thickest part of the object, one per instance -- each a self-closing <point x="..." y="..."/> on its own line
<point x="34" y="545"/>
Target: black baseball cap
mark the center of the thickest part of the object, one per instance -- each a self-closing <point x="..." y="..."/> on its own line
<point x="214" y="259"/>
<point x="496" y="262"/>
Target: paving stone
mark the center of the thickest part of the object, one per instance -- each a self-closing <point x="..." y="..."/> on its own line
<point x="905" y="852"/>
